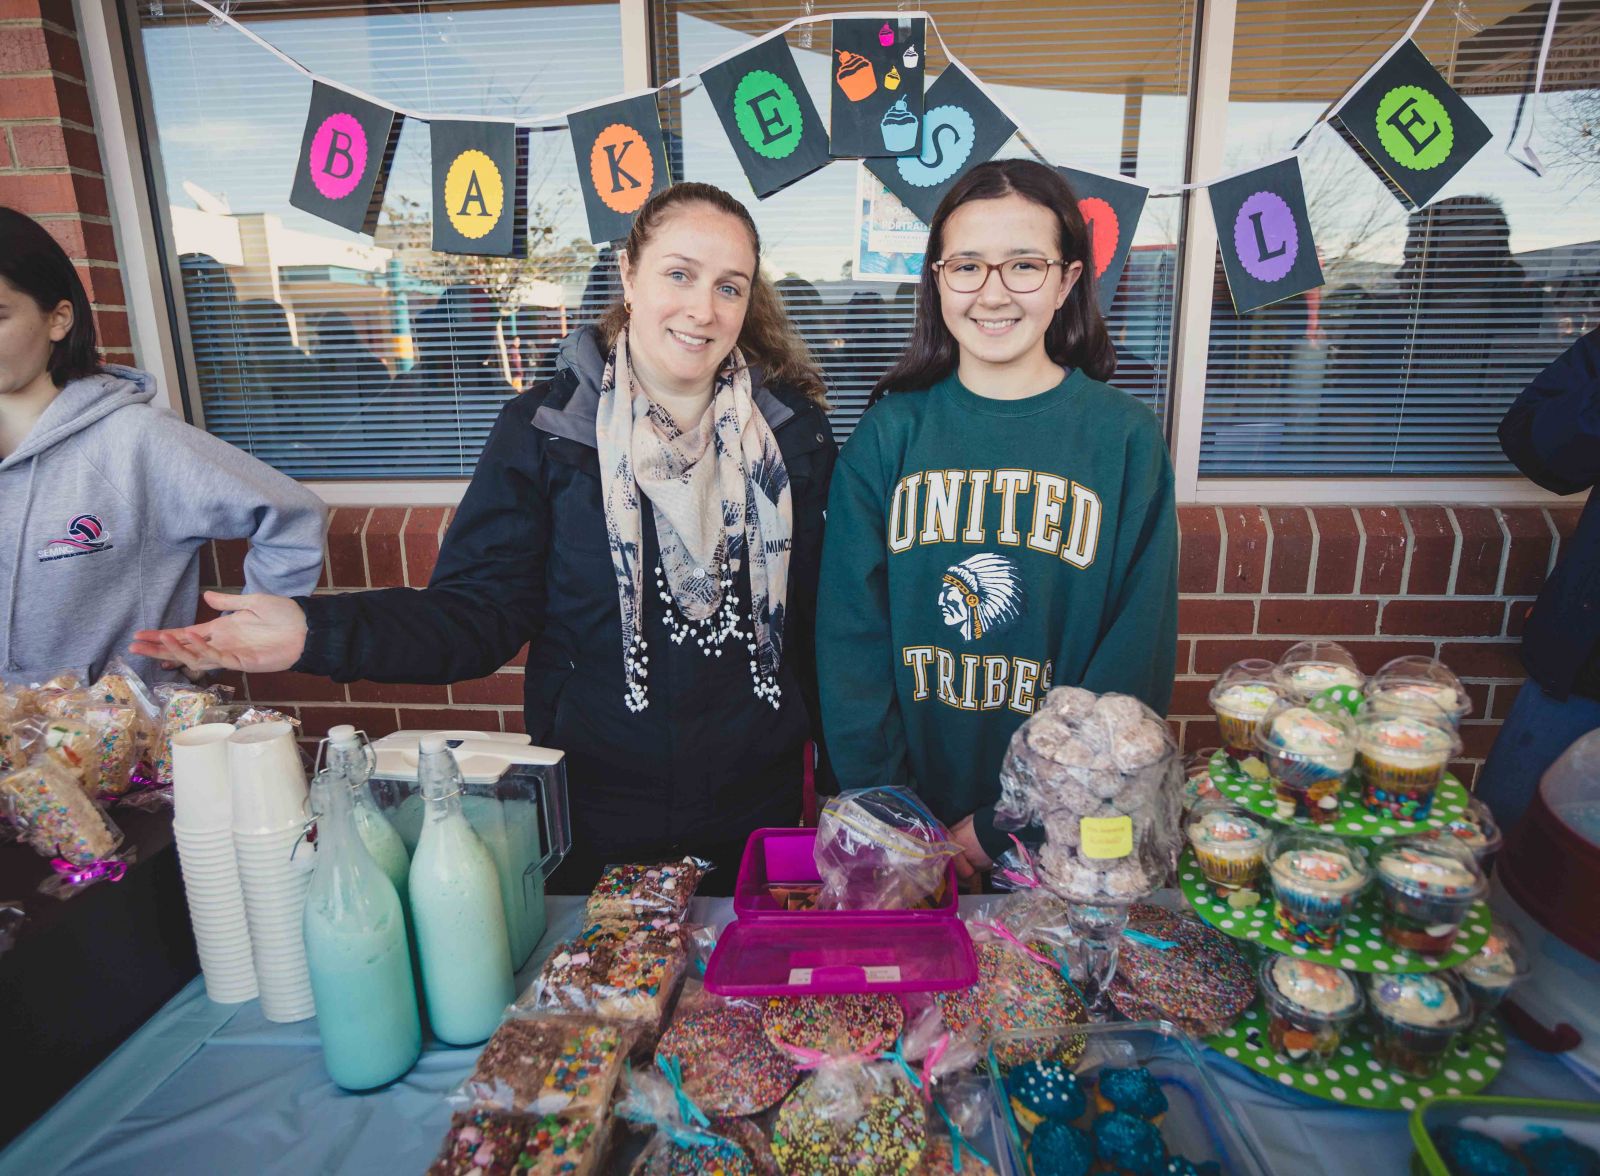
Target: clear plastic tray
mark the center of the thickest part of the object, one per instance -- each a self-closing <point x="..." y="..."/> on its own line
<point x="1510" y="1120"/>
<point x="1197" y="1124"/>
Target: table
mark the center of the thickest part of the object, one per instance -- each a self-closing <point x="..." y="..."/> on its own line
<point x="213" y="1088"/>
<point x="87" y="972"/>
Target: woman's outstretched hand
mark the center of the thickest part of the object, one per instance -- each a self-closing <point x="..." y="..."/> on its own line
<point x="255" y="634"/>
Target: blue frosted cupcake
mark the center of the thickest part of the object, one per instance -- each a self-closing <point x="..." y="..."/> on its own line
<point x="1556" y="1155"/>
<point x="1470" y="1153"/>
<point x="1132" y="1090"/>
<point x="1044" y="1089"/>
<point x="1128" y="1144"/>
<point x="1056" y="1149"/>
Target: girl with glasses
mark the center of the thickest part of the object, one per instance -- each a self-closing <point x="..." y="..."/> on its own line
<point x="1001" y="522"/>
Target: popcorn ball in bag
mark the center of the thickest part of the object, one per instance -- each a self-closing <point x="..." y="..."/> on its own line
<point x="881" y="849"/>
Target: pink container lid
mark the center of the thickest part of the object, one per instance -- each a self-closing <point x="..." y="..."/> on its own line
<point x="768" y="951"/>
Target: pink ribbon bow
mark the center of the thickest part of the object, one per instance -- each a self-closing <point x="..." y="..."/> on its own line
<point x="110" y="869"/>
<point x="809" y="1059"/>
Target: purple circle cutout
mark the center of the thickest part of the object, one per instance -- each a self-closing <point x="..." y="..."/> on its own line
<point x="1265" y="238"/>
<point x="338" y="156"/>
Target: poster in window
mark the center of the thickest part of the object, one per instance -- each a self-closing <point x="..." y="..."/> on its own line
<point x="345" y="155"/>
<point x="621" y="162"/>
<point x="768" y="116"/>
<point x="480" y="171"/>
<point x="1413" y="130"/>
<point x="1111" y="208"/>
<point x="1264" y="232"/>
<point x="876" y="87"/>
<point x="961" y="127"/>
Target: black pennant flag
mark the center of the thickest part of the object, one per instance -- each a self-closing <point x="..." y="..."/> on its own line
<point x="768" y="116"/>
<point x="480" y="170"/>
<point x="621" y="163"/>
<point x="1264" y="231"/>
<point x="345" y="155"/>
<point x="1112" y="208"/>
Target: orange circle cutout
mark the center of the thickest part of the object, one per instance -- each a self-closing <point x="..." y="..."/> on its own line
<point x="1105" y="231"/>
<point x="621" y="168"/>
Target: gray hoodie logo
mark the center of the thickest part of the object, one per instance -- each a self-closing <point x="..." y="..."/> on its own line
<point x="85" y="536"/>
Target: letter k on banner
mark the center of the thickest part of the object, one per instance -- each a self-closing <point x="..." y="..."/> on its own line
<point x="1412" y="129"/>
<point x="621" y="163"/>
<point x="345" y="155"/>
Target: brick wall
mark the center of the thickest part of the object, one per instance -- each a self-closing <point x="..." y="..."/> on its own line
<point x="1453" y="582"/>
<point x="50" y="159"/>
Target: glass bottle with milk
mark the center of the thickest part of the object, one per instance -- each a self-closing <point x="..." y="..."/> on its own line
<point x="350" y="756"/>
<point x="355" y="935"/>
<point x="457" y="909"/>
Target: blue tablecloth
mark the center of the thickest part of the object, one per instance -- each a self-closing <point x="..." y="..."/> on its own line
<point x="206" y="1088"/>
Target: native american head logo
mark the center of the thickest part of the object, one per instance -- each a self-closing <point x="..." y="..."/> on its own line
<point x="982" y="595"/>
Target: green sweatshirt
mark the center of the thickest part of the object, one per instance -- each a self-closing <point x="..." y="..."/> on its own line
<point x="977" y="553"/>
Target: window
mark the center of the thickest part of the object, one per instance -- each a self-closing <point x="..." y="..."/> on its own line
<point x="326" y="353"/>
<point x="1124" y="80"/>
<point x="1430" y="323"/>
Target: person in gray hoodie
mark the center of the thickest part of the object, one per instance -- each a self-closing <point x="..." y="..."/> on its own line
<point x="105" y="499"/>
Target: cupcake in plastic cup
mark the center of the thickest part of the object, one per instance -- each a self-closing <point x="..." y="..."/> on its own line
<point x="1428" y="887"/>
<point x="1309" y="754"/>
<point x="1243" y="694"/>
<point x="1315" y="883"/>
<point x="1311" y="667"/>
<point x="1403" y="754"/>
<point x="1418" y="1017"/>
<point x="1308" y="1005"/>
<point x="1493" y="970"/>
<point x="1475" y="830"/>
<point x="1197" y="785"/>
<point x="1229" y="844"/>
<point x="1423" y="683"/>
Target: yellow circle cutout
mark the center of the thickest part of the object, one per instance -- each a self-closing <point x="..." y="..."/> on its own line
<point x="474" y="194"/>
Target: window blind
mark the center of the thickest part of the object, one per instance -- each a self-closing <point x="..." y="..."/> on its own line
<point x="1431" y="322"/>
<point x="334" y="355"/>
<point x="1097" y="88"/>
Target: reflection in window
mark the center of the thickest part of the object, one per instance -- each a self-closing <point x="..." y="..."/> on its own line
<point x="1431" y="321"/>
<point x="1104" y="89"/>
<point x="327" y="353"/>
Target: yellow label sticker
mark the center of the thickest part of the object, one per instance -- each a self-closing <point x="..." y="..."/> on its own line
<point x="1106" y="837"/>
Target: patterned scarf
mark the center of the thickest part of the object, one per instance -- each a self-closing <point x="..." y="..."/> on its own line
<point x="721" y="494"/>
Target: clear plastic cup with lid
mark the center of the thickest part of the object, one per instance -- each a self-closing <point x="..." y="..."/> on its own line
<point x="1403" y="750"/>
<point x="1241" y="697"/>
<point x="1310" y="667"/>
<point x="1422" y="681"/>
<point x="1492" y="971"/>
<point x="1230" y="844"/>
<point x="1316" y="880"/>
<point x="1418" y="1016"/>
<point x="1428" y="886"/>
<point x="1309" y="1006"/>
<point x="1309" y="754"/>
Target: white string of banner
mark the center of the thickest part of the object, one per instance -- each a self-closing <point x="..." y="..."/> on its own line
<point x="558" y="121"/>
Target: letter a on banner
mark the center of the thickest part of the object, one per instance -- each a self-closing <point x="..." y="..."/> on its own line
<point x="621" y="163"/>
<point x="1411" y="127"/>
<point x="345" y="155"/>
<point x="768" y="115"/>
<point x="1264" y="232"/>
<point x="480" y="171"/>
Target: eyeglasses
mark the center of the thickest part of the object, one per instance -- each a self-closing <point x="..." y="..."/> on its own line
<point x="1020" y="275"/>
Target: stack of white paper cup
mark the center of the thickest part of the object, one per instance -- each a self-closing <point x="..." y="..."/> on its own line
<point x="269" y="816"/>
<point x="202" y="827"/>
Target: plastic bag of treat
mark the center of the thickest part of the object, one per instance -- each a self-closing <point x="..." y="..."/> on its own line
<point x="548" y="1065"/>
<point x="851" y="1116"/>
<point x="620" y="972"/>
<point x="182" y="707"/>
<point x="643" y="890"/>
<point x="244" y="714"/>
<point x="46" y="802"/>
<point x="881" y="849"/>
<point x="683" y="1140"/>
<point x="962" y="1140"/>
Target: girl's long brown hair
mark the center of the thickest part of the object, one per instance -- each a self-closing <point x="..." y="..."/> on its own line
<point x="767" y="339"/>
<point x="1076" y="337"/>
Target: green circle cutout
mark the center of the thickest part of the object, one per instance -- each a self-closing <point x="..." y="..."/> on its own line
<point x="768" y="114"/>
<point x="1246" y="784"/>
<point x="1353" y="1076"/>
<point x="1414" y="128"/>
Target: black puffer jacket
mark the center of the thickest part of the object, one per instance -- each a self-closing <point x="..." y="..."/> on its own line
<point x="525" y="560"/>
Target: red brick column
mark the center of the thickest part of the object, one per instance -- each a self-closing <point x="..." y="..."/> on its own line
<point x="49" y="157"/>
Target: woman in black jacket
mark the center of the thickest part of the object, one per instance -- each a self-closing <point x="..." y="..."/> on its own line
<point x="649" y="522"/>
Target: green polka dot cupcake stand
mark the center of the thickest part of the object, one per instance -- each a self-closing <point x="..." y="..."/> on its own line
<point x="1247" y="785"/>
<point x="1362" y="947"/>
<point x="1356" y="1078"/>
